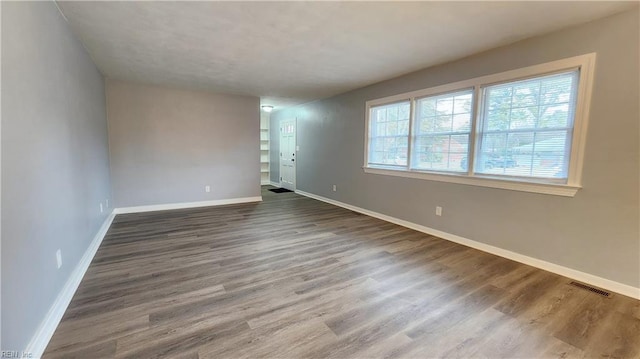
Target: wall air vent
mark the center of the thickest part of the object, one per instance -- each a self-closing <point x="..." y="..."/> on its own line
<point x="590" y="288"/>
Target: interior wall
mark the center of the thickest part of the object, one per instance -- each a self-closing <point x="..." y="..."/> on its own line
<point x="167" y="144"/>
<point x="595" y="232"/>
<point x="55" y="162"/>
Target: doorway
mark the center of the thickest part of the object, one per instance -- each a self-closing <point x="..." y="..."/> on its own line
<point x="288" y="154"/>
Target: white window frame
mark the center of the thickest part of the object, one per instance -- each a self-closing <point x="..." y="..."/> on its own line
<point x="408" y="134"/>
<point x="586" y="65"/>
<point x="415" y="120"/>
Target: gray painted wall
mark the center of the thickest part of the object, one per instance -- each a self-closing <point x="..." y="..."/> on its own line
<point x="55" y="164"/>
<point x="166" y="144"/>
<point x="595" y="232"/>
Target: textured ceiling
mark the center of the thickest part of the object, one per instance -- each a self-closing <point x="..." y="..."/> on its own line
<point x="292" y="52"/>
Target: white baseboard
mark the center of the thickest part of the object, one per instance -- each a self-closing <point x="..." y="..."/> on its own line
<point x="164" y="207"/>
<point x="275" y="184"/>
<point x="591" y="279"/>
<point x="48" y="326"/>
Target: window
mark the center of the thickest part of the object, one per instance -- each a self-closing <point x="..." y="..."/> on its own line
<point x="527" y="126"/>
<point x="388" y="134"/>
<point x="442" y="132"/>
<point x="521" y="130"/>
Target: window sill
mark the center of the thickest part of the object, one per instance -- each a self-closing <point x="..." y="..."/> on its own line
<point x="492" y="182"/>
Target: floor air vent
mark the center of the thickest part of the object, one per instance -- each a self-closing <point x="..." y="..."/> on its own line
<point x="590" y="289"/>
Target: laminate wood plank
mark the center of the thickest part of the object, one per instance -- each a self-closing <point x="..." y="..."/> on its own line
<point x="458" y="341"/>
<point x="512" y="338"/>
<point x="618" y="338"/>
<point x="387" y="347"/>
<point x="337" y="299"/>
<point x="292" y="277"/>
<point x="296" y="340"/>
<point x="72" y="337"/>
<point x="445" y="318"/>
<point x="583" y="324"/>
<point x="179" y="341"/>
<point x="526" y="295"/>
<point x="555" y="309"/>
<point x="106" y="349"/>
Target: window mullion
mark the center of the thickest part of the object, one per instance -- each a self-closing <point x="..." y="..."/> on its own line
<point x="412" y="116"/>
<point x="473" y="135"/>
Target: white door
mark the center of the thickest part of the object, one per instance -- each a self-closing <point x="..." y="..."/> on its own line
<point x="288" y="154"/>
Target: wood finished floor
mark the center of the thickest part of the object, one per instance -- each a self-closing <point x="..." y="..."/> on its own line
<point x="292" y="277"/>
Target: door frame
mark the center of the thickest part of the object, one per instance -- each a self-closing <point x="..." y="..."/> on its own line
<point x="294" y="121"/>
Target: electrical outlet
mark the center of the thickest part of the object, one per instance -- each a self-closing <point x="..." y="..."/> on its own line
<point x="59" y="258"/>
<point x="438" y="211"/>
<point x="335" y="188"/>
<point x="101" y="208"/>
<point x="207" y="188"/>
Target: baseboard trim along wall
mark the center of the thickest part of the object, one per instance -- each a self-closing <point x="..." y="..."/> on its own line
<point x="164" y="207"/>
<point x="48" y="326"/>
<point x="591" y="279"/>
<point x="275" y="184"/>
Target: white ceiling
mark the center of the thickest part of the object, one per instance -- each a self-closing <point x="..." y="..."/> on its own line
<point x="292" y="52"/>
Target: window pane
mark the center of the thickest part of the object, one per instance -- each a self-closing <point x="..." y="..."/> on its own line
<point x="526" y="94"/>
<point x="549" y="154"/>
<point x="442" y="131"/>
<point x="444" y="105"/>
<point x="557" y="89"/>
<point x="461" y="122"/>
<point x="401" y="151"/>
<point x="403" y="113"/>
<point x="499" y="98"/>
<point x="498" y="120"/>
<point x="392" y="113"/>
<point x="427" y="108"/>
<point x="391" y="128"/>
<point x="527" y="126"/>
<point x="523" y="117"/>
<point x="389" y="134"/>
<point x="403" y="127"/>
<point x="554" y="116"/>
<point x="441" y="153"/>
<point x="426" y="125"/>
<point x="500" y="154"/>
<point x="442" y="123"/>
<point x="462" y="103"/>
<point x="377" y="144"/>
